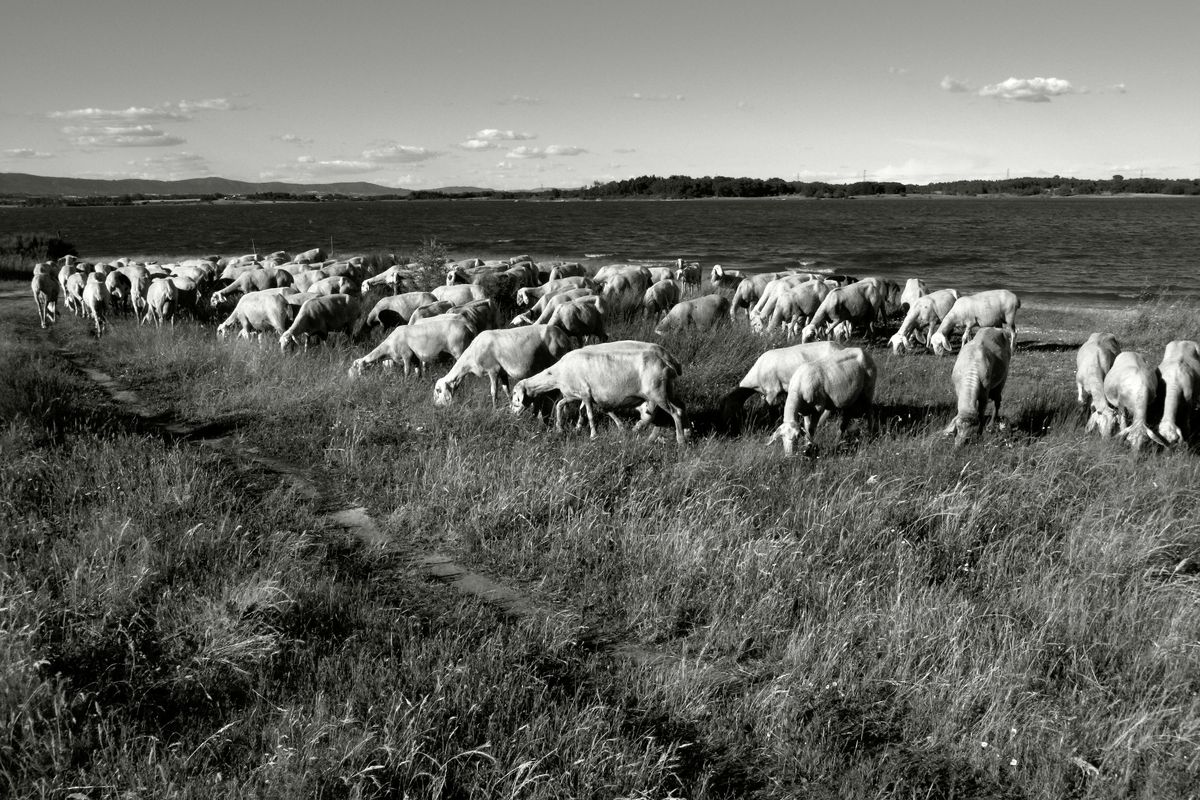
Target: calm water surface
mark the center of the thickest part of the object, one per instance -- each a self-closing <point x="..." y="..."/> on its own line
<point x="1077" y="250"/>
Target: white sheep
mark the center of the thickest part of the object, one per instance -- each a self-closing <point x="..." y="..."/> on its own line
<point x="1092" y="363"/>
<point x="606" y="377"/>
<point x="993" y="308"/>
<point x="843" y="381"/>
<point x="1180" y="375"/>
<point x="419" y="342"/>
<point x="979" y="375"/>
<point x="511" y="354"/>
<point x="924" y="315"/>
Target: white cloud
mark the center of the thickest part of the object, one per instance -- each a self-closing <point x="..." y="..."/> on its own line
<point x="497" y="135"/>
<point x="210" y="104"/>
<point x="291" y="138"/>
<point x="954" y="85"/>
<point x="309" y="166"/>
<point x="164" y="112"/>
<point x="173" y="160"/>
<point x="526" y="151"/>
<point x="478" y="144"/>
<point x="120" y="136"/>
<point x="520" y="99"/>
<point x="397" y="154"/>
<point x="897" y="70"/>
<point x="26" y="152"/>
<point x="655" y="98"/>
<point x="173" y="165"/>
<point x="1029" y="90"/>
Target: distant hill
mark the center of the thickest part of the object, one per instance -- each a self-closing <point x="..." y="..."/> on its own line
<point x="19" y="183"/>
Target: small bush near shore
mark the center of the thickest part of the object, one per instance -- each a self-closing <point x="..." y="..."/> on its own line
<point x="20" y="251"/>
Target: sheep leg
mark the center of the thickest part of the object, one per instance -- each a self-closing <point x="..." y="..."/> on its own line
<point x="587" y="406"/>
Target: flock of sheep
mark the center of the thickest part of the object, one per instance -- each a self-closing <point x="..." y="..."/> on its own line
<point x="557" y="350"/>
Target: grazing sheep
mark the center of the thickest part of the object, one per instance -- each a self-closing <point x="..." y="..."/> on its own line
<point x="794" y="307"/>
<point x="334" y="284"/>
<point x="843" y="381"/>
<point x="544" y="308"/>
<point x="503" y="356"/>
<point x="701" y="313"/>
<point x="76" y="281"/>
<point x="1092" y="363"/>
<point x="1180" y="376"/>
<point x="309" y="256"/>
<point x="460" y="293"/>
<point x="258" y="312"/>
<point x="252" y="280"/>
<point x="607" y="377"/>
<point x="45" y="293"/>
<point x="658" y="274"/>
<point x="304" y="281"/>
<point x="770" y="375"/>
<point x="688" y="273"/>
<point x="626" y="288"/>
<point x="96" y="300"/>
<point x="925" y="313"/>
<point x="661" y="296"/>
<point x="993" y="308"/>
<point x="119" y="288"/>
<point x="569" y="270"/>
<point x="749" y="291"/>
<point x="1131" y="387"/>
<point x="863" y="303"/>
<point x="914" y="289"/>
<point x="725" y="280"/>
<point x="768" y="294"/>
<point x="319" y="317"/>
<point x="396" y="310"/>
<point x="979" y="374"/>
<point x="533" y="294"/>
<point x="419" y="342"/>
<point x="394" y="277"/>
<point x="162" y="302"/>
<point x="434" y="309"/>
<point x="580" y="318"/>
<point x="482" y="314"/>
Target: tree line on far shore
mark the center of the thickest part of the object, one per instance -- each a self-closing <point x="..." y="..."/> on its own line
<point x="684" y="187"/>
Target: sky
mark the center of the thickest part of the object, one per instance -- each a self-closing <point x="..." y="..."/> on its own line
<point x="523" y="94"/>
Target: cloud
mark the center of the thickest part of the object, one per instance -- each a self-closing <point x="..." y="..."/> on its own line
<point x="173" y="165"/>
<point x="525" y="151"/>
<point x="313" y="166"/>
<point x="897" y="70"/>
<point x="497" y="135"/>
<point x="26" y="152"/>
<point x="655" y="98"/>
<point x="398" y="154"/>
<point x="131" y="115"/>
<point x="954" y="85"/>
<point x="520" y="99"/>
<point x="181" y="111"/>
<point x="291" y="138"/>
<point x="120" y="136"/>
<point x="210" y="104"/>
<point x="1029" y="90"/>
<point x="494" y="138"/>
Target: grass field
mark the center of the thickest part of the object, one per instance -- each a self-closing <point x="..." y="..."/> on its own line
<point x="1019" y="618"/>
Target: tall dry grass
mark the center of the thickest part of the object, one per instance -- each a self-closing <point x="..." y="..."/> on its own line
<point x="896" y="618"/>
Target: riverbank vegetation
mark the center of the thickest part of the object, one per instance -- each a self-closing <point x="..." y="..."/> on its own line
<point x="674" y="187"/>
<point x="892" y="619"/>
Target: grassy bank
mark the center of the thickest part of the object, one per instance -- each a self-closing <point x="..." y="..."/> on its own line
<point x="1018" y="618"/>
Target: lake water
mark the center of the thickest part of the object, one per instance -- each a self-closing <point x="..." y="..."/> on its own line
<point x="1076" y="250"/>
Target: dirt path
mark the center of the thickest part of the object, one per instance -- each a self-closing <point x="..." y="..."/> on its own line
<point x="351" y="519"/>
